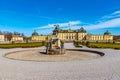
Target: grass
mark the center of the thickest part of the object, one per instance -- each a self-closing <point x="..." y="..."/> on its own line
<point x="99" y="45"/>
<point x="104" y="45"/>
<point x="23" y="45"/>
<point x="76" y="44"/>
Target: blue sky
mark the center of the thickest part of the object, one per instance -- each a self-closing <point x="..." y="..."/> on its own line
<point x="96" y="16"/>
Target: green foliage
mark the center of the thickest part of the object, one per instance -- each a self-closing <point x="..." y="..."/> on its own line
<point x="22" y="45"/>
<point x="47" y="44"/>
<point x="13" y="42"/>
<point x="104" y="45"/>
<point x="43" y="42"/>
<point x="96" y="41"/>
<point x="77" y="44"/>
<point x="87" y="43"/>
<point x="98" y="44"/>
<point x="83" y="43"/>
<point x="113" y="42"/>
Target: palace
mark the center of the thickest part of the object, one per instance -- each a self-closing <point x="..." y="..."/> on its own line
<point x="37" y="37"/>
<point x="78" y="35"/>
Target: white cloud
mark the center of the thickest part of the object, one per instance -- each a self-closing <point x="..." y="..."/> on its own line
<point x="109" y="21"/>
<point x="66" y="24"/>
<point x="116" y="12"/>
<point x="74" y="22"/>
<point x="107" y="24"/>
<point x="73" y="27"/>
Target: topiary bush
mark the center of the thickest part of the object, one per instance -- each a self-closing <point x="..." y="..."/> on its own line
<point x="43" y="43"/>
<point x="113" y="42"/>
<point x="87" y="43"/>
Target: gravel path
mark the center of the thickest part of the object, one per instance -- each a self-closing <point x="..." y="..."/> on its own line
<point x="105" y="68"/>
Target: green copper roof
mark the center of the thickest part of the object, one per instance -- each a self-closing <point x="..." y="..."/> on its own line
<point x="35" y="33"/>
<point x="82" y="30"/>
<point x="107" y="33"/>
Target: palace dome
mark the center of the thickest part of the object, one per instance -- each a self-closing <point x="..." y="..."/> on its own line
<point x="35" y="33"/>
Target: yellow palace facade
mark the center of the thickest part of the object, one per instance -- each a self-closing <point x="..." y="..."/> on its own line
<point x="71" y="35"/>
<point x="37" y="37"/>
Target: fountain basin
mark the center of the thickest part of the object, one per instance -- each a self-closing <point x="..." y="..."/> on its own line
<point x="41" y="56"/>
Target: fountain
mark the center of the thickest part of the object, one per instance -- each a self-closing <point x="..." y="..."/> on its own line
<point x="55" y="45"/>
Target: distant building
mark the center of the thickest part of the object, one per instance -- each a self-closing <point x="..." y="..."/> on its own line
<point x="100" y="37"/>
<point x="71" y="35"/>
<point x="16" y="38"/>
<point x="116" y="38"/>
<point x="35" y="33"/>
<point x="81" y="35"/>
<point x="37" y="37"/>
<point x="2" y="37"/>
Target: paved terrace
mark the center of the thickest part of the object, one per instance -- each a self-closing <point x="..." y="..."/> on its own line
<point x="105" y="68"/>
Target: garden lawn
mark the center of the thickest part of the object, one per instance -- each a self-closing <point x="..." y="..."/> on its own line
<point x="104" y="45"/>
<point x="22" y="45"/>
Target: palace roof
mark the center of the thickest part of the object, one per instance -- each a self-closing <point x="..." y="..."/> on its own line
<point x="35" y="33"/>
<point x="107" y="33"/>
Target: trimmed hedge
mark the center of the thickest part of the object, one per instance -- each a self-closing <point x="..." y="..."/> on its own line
<point x="98" y="44"/>
<point x="104" y="45"/>
<point x="23" y="45"/>
<point x="77" y="44"/>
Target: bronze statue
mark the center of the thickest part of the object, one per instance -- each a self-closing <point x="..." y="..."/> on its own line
<point x="55" y="45"/>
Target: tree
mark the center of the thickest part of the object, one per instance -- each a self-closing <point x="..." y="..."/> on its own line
<point x="8" y="35"/>
<point x="22" y="34"/>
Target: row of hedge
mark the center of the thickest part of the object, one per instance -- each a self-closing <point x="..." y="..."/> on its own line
<point x="23" y="45"/>
<point x="78" y="43"/>
<point x="112" y="45"/>
<point x="104" y="45"/>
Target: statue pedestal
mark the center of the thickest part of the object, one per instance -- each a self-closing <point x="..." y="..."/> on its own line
<point x="56" y="51"/>
<point x="55" y="46"/>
